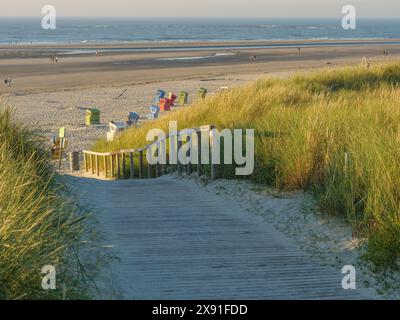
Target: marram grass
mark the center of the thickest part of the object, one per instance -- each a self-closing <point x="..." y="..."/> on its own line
<point x="335" y="133"/>
<point x="38" y="223"/>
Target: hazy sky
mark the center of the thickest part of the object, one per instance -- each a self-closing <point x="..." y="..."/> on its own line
<point x="202" y="8"/>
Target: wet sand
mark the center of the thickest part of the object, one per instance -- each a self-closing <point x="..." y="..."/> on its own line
<point x="31" y="69"/>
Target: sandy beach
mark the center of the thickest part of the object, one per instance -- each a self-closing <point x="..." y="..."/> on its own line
<point x="47" y="95"/>
<point x="80" y="67"/>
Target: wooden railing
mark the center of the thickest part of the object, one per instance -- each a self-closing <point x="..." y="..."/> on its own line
<point x="131" y="163"/>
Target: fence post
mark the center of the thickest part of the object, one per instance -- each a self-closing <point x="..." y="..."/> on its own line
<point x="174" y="145"/>
<point x="132" y="165"/>
<point x="97" y="165"/>
<point x="112" y="166"/>
<point x="157" y="169"/>
<point x="162" y="167"/>
<point x="118" y="166"/>
<point x="84" y="162"/>
<point x="213" y="166"/>
<point x="148" y="168"/>
<point x="178" y="164"/>
<point x="188" y="166"/>
<point x="199" y="136"/>
<point x="74" y="161"/>
<point x="123" y="165"/>
<point x="105" y="167"/>
<point x="91" y="163"/>
<point x="140" y="164"/>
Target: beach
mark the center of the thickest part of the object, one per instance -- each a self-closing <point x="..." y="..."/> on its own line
<point x="321" y="177"/>
<point x="48" y="95"/>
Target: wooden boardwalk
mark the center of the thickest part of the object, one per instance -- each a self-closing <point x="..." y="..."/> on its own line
<point x="177" y="241"/>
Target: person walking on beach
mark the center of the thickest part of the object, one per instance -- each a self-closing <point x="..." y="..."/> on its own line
<point x="8" y="81"/>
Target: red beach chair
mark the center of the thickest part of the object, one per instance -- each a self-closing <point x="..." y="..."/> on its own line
<point x="165" y="104"/>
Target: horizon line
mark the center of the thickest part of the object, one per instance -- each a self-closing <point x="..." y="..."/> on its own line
<point x="196" y="17"/>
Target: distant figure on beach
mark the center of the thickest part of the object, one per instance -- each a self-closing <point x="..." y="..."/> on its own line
<point x="299" y="49"/>
<point x="8" y="81"/>
<point x="385" y="53"/>
<point x="253" y="58"/>
<point x="365" y="63"/>
<point x="53" y="58"/>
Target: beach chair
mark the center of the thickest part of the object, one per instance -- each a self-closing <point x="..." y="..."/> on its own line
<point x="154" y="112"/>
<point x="117" y="126"/>
<point x="172" y="97"/>
<point x="92" y="117"/>
<point x="133" y="118"/>
<point x="114" y="128"/>
<point x="159" y="95"/>
<point x="202" y="93"/>
<point x="165" y="104"/>
<point x="183" y="98"/>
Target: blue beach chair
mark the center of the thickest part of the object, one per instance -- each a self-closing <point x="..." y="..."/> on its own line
<point x="154" y="112"/>
<point x="133" y="118"/>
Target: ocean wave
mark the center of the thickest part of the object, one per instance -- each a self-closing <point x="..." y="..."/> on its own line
<point x="268" y="26"/>
<point x="103" y="26"/>
<point x="197" y="57"/>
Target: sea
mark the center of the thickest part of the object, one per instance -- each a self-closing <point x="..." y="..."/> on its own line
<point x="110" y="30"/>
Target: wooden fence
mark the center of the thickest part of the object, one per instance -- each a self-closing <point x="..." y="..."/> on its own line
<point x="132" y="163"/>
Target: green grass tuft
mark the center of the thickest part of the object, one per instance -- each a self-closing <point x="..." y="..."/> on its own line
<point x="39" y="224"/>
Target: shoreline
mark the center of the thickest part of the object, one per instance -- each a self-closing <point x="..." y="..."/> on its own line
<point x="32" y="71"/>
<point x="195" y="45"/>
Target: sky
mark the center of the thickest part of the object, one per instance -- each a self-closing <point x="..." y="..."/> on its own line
<point x="202" y="8"/>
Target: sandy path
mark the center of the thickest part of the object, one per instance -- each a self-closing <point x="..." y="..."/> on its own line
<point x="177" y="241"/>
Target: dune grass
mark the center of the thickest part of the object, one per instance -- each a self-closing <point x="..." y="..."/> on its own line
<point x="39" y="224"/>
<point x="334" y="133"/>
